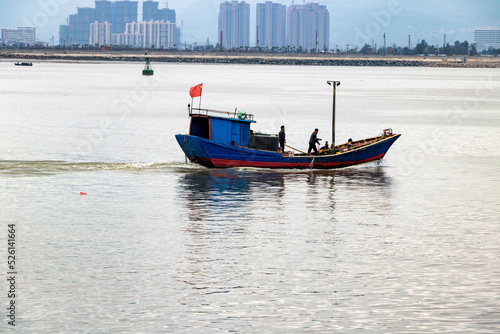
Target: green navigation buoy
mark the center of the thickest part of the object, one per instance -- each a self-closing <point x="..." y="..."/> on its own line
<point x="147" y="69"/>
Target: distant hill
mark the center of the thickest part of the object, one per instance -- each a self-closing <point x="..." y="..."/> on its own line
<point x="200" y="21"/>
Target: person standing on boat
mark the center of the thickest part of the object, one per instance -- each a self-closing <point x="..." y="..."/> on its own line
<point x="281" y="138"/>
<point x="312" y="142"/>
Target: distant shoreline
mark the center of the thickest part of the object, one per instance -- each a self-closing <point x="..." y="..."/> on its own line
<point x="320" y="59"/>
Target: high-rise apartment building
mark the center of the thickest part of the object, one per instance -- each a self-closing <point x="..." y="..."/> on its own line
<point x="100" y="33"/>
<point x="78" y="29"/>
<point x="104" y="11"/>
<point x="486" y="38"/>
<point x="151" y="11"/>
<point x="64" y="37"/>
<point x="308" y="27"/>
<point x="21" y="35"/>
<point x="150" y="34"/>
<point x="234" y="24"/>
<point x="79" y="25"/>
<point x="124" y="12"/>
<point x="271" y="25"/>
<point x="166" y="14"/>
<point x="118" y="14"/>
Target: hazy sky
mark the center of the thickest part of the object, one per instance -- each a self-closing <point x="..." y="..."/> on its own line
<point x="353" y="22"/>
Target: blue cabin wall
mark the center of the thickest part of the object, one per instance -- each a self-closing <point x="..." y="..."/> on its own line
<point x="227" y="131"/>
<point x="221" y="130"/>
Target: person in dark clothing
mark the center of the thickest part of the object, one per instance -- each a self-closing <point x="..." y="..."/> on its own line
<point x="312" y="142"/>
<point x="282" y="139"/>
<point x="325" y="149"/>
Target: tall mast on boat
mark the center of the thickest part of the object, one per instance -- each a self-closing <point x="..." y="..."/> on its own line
<point x="334" y="84"/>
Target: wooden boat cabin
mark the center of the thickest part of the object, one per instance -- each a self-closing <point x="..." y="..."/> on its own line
<point x="230" y="128"/>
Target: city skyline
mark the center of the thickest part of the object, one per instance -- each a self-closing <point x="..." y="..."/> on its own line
<point x="117" y="23"/>
<point x="300" y="27"/>
<point x="355" y="23"/>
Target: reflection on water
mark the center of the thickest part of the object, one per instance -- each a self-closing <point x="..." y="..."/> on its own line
<point x="215" y="195"/>
<point x="274" y="236"/>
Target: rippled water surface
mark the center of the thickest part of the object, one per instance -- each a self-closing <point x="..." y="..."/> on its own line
<point x="406" y="245"/>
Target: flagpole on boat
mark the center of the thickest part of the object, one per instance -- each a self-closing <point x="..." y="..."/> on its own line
<point x="201" y="91"/>
<point x="334" y="84"/>
<point x="190" y="107"/>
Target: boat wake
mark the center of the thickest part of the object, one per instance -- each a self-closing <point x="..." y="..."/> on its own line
<point x="52" y="167"/>
<point x="21" y="167"/>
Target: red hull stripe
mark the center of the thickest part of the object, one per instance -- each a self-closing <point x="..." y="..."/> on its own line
<point x="242" y="163"/>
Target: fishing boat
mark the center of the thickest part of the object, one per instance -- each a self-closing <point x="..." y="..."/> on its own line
<point x="23" y="64"/>
<point x="148" y="70"/>
<point x="222" y="139"/>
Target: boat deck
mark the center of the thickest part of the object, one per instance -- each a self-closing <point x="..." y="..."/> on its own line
<point x="351" y="145"/>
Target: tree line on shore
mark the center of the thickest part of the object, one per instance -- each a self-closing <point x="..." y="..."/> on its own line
<point x="422" y="48"/>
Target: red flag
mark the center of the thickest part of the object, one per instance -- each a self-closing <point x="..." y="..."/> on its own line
<point x="196" y="90"/>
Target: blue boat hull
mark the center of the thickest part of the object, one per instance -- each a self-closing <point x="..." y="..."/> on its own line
<point x="216" y="155"/>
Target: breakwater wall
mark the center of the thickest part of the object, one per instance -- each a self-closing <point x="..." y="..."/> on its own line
<point x="472" y="62"/>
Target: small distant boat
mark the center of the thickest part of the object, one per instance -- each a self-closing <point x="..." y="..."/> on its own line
<point x="23" y="64"/>
<point x="147" y="69"/>
<point x="219" y="139"/>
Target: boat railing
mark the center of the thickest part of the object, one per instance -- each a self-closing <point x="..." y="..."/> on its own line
<point x="238" y="114"/>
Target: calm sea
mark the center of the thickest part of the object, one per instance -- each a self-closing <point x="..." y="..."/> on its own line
<point x="406" y="245"/>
